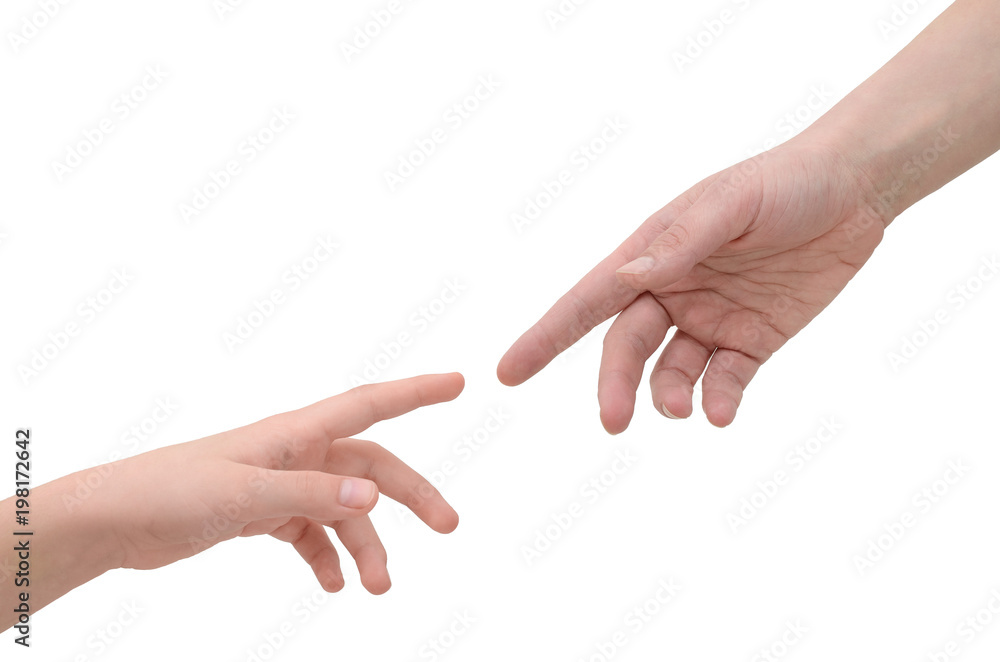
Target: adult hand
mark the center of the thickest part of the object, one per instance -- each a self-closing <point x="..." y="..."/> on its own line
<point x="738" y="265"/>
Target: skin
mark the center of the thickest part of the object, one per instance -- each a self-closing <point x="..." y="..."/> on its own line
<point x="291" y="476"/>
<point x="738" y="264"/>
<point x="742" y="261"/>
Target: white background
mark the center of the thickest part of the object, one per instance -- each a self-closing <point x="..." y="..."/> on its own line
<point x="666" y="516"/>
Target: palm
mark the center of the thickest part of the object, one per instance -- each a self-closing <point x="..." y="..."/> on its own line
<point x="754" y="255"/>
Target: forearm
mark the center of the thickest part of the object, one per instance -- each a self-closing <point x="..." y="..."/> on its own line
<point x="928" y="115"/>
<point x="70" y="546"/>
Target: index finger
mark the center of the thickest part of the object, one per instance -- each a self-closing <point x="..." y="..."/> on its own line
<point x="358" y="409"/>
<point x="597" y="297"/>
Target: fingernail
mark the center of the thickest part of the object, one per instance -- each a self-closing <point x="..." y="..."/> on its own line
<point x="638" y="267"/>
<point x="356" y="493"/>
<point x="666" y="412"/>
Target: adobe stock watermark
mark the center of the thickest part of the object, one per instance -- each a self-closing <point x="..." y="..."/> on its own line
<point x="266" y="306"/>
<point x="815" y="103"/>
<point x="634" y="622"/>
<point x="913" y="169"/>
<point x="561" y="12"/>
<point x="911" y="172"/>
<point x="452" y="120"/>
<point x="230" y="516"/>
<point x="249" y="149"/>
<point x="121" y="108"/>
<point x="271" y="641"/>
<point x="89" y="481"/>
<point x="760" y="324"/>
<point x="899" y="15"/>
<point x="570" y="354"/>
<point x="931" y="326"/>
<point x="590" y="493"/>
<point x="798" y="458"/>
<point x="57" y="342"/>
<point x="223" y="8"/>
<point x="461" y="454"/>
<point x="374" y="26"/>
<point x="227" y="519"/>
<point x="968" y="629"/>
<point x="144" y="429"/>
<point x="783" y="644"/>
<point x="786" y="127"/>
<point x="106" y="636"/>
<point x="32" y="24"/>
<point x="707" y="35"/>
<point x="924" y="501"/>
<point x="438" y="645"/>
<point x="417" y="324"/>
<point x="580" y="160"/>
<point x="576" y="338"/>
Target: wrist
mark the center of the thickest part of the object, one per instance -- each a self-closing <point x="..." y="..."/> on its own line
<point x="76" y="512"/>
<point x="895" y="165"/>
<point x="74" y="540"/>
<point x="927" y="116"/>
<point x="65" y="549"/>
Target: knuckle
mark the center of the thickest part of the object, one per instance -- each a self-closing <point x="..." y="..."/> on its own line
<point x="672" y="376"/>
<point x="361" y="391"/>
<point x="626" y="339"/>
<point x="309" y="489"/>
<point x="304" y="483"/>
<point x="375" y="458"/>
<point x="674" y="240"/>
<point x="374" y="550"/>
<point x="289" y="438"/>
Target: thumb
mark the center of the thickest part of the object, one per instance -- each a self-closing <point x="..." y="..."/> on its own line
<point x="314" y="494"/>
<point x="692" y="237"/>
